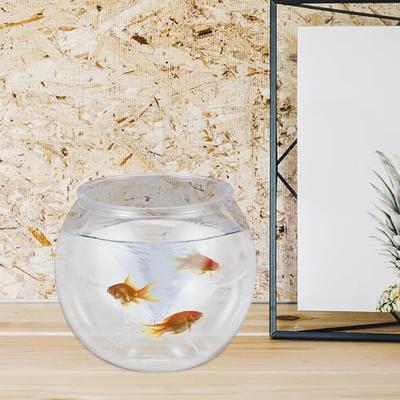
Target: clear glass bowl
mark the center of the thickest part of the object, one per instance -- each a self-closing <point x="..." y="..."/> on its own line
<point x="155" y="272"/>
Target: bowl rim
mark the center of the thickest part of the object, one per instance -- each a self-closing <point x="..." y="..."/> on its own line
<point x="224" y="195"/>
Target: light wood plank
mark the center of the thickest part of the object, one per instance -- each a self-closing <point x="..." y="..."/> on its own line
<point x="41" y="360"/>
<point x="47" y="319"/>
<point x="291" y="319"/>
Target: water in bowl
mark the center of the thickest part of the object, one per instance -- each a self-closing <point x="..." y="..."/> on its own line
<point x="148" y="251"/>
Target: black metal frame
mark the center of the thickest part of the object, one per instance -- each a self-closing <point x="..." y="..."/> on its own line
<point x="324" y="333"/>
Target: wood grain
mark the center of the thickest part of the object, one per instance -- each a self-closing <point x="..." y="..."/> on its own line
<point x="42" y="360"/>
<point x="291" y="319"/>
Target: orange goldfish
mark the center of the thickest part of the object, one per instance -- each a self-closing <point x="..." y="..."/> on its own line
<point x="175" y="323"/>
<point x="197" y="263"/>
<point x="126" y="293"/>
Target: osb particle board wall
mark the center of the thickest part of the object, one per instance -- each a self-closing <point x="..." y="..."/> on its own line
<point x="94" y="88"/>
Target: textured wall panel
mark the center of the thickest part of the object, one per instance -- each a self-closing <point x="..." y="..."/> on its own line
<point x="95" y="88"/>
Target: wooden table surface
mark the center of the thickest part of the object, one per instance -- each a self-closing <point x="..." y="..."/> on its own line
<point x="41" y="359"/>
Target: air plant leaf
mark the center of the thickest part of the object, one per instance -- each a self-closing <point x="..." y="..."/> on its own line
<point x="388" y="227"/>
<point x="388" y="199"/>
<point x="386" y="236"/>
<point x="393" y="175"/>
<point x="386" y="189"/>
<point x="396" y="263"/>
<point x="396" y="240"/>
<point x="385" y="218"/>
<point x="395" y="219"/>
<point x="386" y="224"/>
<point x="386" y="209"/>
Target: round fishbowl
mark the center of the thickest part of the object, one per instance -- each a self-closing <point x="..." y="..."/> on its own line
<point x="155" y="272"/>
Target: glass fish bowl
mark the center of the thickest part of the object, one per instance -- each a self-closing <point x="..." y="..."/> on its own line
<point x="155" y="272"/>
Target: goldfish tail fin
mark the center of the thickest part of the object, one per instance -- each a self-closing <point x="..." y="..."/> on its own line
<point x="153" y="333"/>
<point x="180" y="266"/>
<point x="180" y="262"/>
<point x="158" y="327"/>
<point x="144" y="293"/>
<point x="154" y="330"/>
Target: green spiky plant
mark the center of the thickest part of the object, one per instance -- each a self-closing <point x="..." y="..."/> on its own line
<point x="388" y="219"/>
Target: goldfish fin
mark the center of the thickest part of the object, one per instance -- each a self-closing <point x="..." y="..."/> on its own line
<point x="186" y="259"/>
<point x="154" y="333"/>
<point x="201" y="272"/>
<point x="180" y="262"/>
<point x="159" y="326"/>
<point x="128" y="303"/>
<point x="129" y="283"/>
<point x="155" y="330"/>
<point x="180" y="266"/>
<point x="178" y="258"/>
<point x="144" y="294"/>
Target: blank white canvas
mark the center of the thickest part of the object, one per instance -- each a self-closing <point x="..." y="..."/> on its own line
<point x="348" y="107"/>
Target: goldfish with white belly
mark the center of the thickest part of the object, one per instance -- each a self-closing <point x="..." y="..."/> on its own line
<point x="196" y="263"/>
